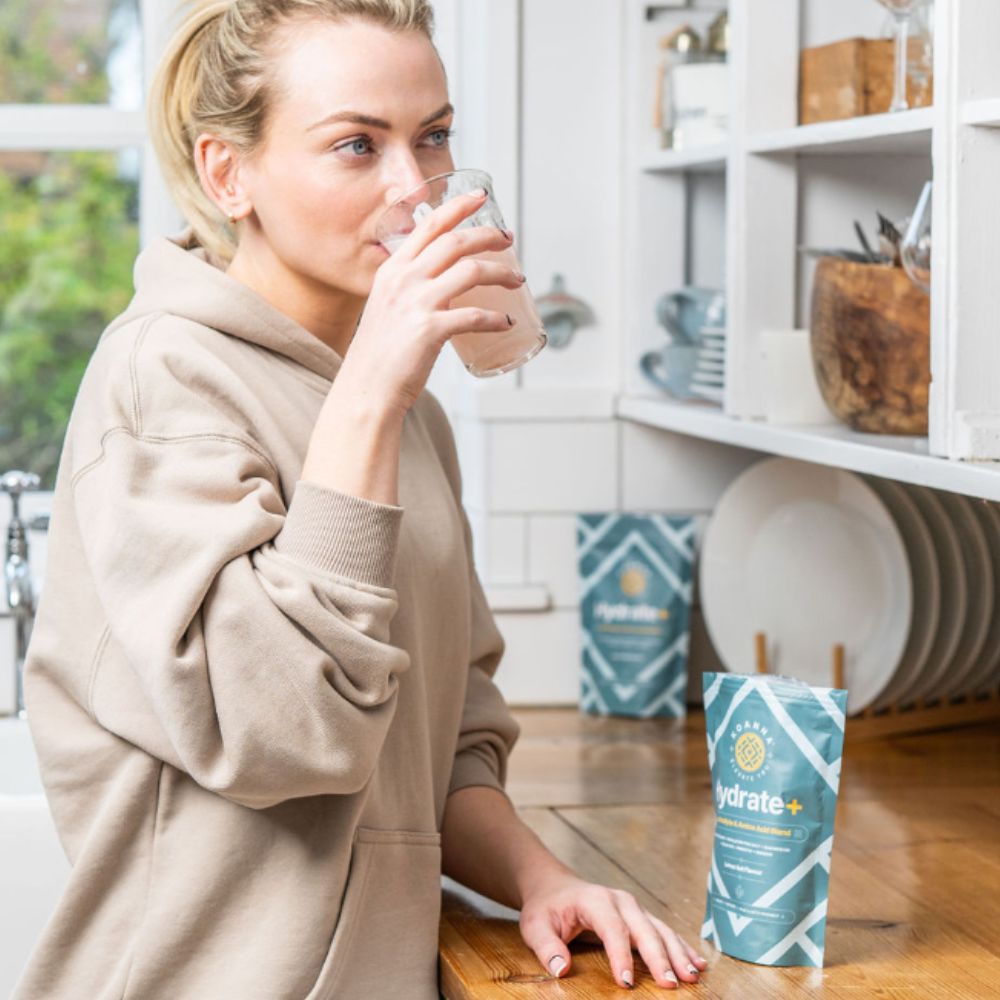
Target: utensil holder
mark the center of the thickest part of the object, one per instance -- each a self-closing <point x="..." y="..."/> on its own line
<point x="870" y="339"/>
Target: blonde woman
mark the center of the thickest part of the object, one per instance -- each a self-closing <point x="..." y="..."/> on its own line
<point x="260" y="680"/>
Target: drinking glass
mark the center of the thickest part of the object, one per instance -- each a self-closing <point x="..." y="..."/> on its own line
<point x="901" y="11"/>
<point x="915" y="247"/>
<point x="483" y="354"/>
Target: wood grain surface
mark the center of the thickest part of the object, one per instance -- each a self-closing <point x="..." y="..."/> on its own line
<point x="915" y="877"/>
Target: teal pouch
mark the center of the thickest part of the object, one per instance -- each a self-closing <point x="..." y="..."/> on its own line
<point x="635" y="605"/>
<point x="775" y="746"/>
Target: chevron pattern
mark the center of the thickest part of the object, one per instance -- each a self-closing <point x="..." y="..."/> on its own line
<point x="635" y="599"/>
<point x="768" y="882"/>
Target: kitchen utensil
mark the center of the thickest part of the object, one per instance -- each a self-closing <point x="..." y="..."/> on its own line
<point x="915" y="247"/>
<point x="811" y="556"/>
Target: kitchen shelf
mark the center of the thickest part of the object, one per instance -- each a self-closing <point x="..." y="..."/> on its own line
<point x="901" y="458"/>
<point x="906" y="132"/>
<point x="706" y="158"/>
<point x="984" y="112"/>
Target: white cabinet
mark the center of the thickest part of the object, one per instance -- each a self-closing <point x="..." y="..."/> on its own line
<point x="776" y="185"/>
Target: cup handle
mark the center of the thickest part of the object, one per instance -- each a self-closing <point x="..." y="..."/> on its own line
<point x="649" y="362"/>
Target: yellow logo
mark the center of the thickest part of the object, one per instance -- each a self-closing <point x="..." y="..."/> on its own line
<point x="750" y="752"/>
<point x="794" y="806"/>
<point x="633" y="581"/>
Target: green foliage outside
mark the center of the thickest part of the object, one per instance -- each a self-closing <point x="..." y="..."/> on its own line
<point x="68" y="241"/>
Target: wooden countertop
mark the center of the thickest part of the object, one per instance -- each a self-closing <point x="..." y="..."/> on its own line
<point x="915" y="877"/>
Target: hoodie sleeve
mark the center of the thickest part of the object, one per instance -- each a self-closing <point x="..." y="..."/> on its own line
<point x="255" y="639"/>
<point x="488" y="730"/>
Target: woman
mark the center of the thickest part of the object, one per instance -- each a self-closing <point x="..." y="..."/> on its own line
<point x="260" y="680"/>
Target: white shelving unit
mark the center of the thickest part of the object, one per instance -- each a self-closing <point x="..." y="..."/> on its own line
<point x="732" y="216"/>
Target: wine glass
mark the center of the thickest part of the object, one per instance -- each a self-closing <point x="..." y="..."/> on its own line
<point x="902" y="11"/>
<point x="915" y="247"/>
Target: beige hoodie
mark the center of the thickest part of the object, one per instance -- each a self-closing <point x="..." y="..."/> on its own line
<point x="250" y="696"/>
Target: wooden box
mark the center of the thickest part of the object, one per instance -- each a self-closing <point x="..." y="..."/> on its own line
<point x="850" y="78"/>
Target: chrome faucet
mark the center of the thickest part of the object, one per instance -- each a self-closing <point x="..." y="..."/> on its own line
<point x="17" y="574"/>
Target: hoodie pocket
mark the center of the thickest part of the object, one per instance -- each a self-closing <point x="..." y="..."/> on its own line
<point x="385" y="942"/>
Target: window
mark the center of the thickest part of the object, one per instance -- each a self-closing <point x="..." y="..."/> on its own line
<point x="79" y="194"/>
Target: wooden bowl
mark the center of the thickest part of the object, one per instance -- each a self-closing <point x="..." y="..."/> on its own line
<point x="870" y="338"/>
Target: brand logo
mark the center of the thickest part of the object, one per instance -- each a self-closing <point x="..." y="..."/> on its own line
<point x="749" y="752"/>
<point x="750" y="744"/>
<point x="633" y="580"/>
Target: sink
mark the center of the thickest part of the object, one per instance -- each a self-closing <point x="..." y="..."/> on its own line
<point x="33" y="867"/>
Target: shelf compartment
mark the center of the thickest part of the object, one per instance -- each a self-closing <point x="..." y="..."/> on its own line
<point x="906" y="459"/>
<point x="899" y="132"/>
<point x="704" y="158"/>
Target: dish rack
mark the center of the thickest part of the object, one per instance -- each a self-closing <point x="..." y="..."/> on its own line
<point x="901" y="717"/>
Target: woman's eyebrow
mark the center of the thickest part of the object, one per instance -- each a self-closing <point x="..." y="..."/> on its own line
<point x="357" y="118"/>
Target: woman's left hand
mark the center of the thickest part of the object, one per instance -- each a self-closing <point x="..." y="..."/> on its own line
<point x="561" y="907"/>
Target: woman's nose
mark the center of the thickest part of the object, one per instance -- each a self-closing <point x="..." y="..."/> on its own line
<point x="406" y="178"/>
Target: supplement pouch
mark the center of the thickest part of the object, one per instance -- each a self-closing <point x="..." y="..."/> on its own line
<point x="635" y="604"/>
<point x="775" y="746"/>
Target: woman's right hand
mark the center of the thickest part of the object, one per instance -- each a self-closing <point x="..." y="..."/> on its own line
<point x="407" y="319"/>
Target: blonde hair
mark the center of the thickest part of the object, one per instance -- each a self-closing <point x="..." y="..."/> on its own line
<point x="216" y="76"/>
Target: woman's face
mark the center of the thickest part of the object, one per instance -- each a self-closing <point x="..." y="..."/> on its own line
<point x="360" y="116"/>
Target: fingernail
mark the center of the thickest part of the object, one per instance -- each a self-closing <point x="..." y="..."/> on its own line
<point x="508" y="234"/>
<point x="670" y="977"/>
<point x="627" y="978"/>
<point x="510" y="322"/>
<point x="556" y="964"/>
<point x="479" y="193"/>
<point x="520" y="277"/>
<point x="692" y="970"/>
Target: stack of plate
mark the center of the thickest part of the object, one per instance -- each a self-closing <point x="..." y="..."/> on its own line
<point x="903" y="576"/>
<point x="708" y="379"/>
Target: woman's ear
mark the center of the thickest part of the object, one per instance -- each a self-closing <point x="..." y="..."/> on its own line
<point x="218" y="170"/>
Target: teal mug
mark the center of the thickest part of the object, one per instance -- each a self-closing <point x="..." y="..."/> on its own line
<point x="683" y="313"/>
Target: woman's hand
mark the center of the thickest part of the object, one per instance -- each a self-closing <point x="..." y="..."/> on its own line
<point x="408" y="317"/>
<point x="563" y="906"/>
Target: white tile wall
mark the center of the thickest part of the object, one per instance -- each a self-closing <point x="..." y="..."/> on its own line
<point x="552" y="556"/>
<point x="666" y="471"/>
<point x="507" y="548"/>
<point x="553" y="466"/>
<point x="540" y="663"/>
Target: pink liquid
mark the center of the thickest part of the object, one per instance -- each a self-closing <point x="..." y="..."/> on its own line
<point x="495" y="352"/>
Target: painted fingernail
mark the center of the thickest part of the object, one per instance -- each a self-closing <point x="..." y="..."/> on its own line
<point x="556" y="964"/>
<point x="692" y="970"/>
<point x="510" y="321"/>
<point x="627" y="978"/>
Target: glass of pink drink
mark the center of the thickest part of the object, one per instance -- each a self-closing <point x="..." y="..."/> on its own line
<point x="483" y="354"/>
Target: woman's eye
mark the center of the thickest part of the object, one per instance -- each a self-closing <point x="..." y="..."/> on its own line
<point x="362" y="141"/>
<point x="444" y="133"/>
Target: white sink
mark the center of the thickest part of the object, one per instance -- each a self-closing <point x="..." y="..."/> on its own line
<point x="33" y="867"/>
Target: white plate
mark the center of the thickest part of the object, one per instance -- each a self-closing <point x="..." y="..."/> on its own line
<point x="926" y="579"/>
<point x="979" y="576"/>
<point x="954" y="592"/>
<point x="810" y="556"/>
<point x="988" y="671"/>
<point x="715" y="394"/>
